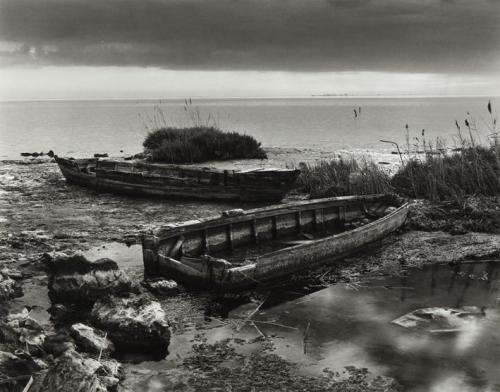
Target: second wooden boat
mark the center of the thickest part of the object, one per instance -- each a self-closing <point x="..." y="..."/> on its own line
<point x="161" y="180"/>
<point x="244" y="248"/>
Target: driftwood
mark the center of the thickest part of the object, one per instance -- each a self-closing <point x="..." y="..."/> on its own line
<point x="249" y="317"/>
<point x="304" y="338"/>
<point x="28" y="385"/>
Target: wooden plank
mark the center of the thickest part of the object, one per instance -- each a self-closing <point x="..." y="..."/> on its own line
<point x="295" y="242"/>
<point x="255" y="232"/>
<point x="206" y="246"/>
<point x="28" y="384"/>
<point x="229" y="229"/>
<point x="298" y="221"/>
<point x="341" y="213"/>
<point x="177" y="247"/>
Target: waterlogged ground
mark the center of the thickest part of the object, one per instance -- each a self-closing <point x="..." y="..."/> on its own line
<point x="345" y="330"/>
<point x="329" y="329"/>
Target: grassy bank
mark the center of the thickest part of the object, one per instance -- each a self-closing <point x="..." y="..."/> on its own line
<point x="472" y="167"/>
<point x="475" y="170"/>
<point x="428" y="170"/>
<point x="200" y="144"/>
<point x="343" y="176"/>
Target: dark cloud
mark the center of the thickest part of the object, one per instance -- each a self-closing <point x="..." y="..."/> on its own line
<point x="317" y="35"/>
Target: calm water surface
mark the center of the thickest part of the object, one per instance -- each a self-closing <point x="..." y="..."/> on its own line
<point x="351" y="325"/>
<point x="84" y="127"/>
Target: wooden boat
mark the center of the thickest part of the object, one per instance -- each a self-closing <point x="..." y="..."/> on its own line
<point x="243" y="248"/>
<point x="148" y="179"/>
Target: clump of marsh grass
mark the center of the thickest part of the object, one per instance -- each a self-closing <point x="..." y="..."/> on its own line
<point x="200" y="144"/>
<point x="472" y="167"/>
<point x="342" y="176"/>
<point x="203" y="140"/>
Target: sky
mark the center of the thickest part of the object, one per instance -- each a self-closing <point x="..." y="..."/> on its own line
<point x="84" y="49"/>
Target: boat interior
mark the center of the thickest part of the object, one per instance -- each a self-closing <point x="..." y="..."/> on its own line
<point x="242" y="239"/>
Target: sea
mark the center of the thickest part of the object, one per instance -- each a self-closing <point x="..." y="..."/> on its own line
<point x="357" y="124"/>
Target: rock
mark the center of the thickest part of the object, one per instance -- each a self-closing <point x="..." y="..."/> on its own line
<point x="9" y="288"/>
<point x="12" y="365"/>
<point x="73" y="372"/>
<point x="74" y="279"/>
<point x="105" y="155"/>
<point x="62" y="314"/>
<point x="91" y="340"/>
<point x="47" y="258"/>
<point x="8" y="335"/>
<point x="12" y="273"/>
<point x="51" y="154"/>
<point x="160" y="286"/>
<point x="28" y="331"/>
<point x="32" y="154"/>
<point x="136" y="323"/>
<point x="58" y="343"/>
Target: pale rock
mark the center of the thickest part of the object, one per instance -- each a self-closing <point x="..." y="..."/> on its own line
<point x="91" y="340"/>
<point x="136" y="323"/>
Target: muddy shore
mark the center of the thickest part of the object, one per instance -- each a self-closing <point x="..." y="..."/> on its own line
<point x="41" y="213"/>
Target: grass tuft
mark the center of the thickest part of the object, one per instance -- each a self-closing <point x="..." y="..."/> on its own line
<point x="342" y="176"/>
<point x="471" y="171"/>
<point x="199" y="144"/>
<point x="472" y="168"/>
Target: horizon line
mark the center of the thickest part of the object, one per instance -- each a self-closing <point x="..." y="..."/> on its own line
<point x="215" y="98"/>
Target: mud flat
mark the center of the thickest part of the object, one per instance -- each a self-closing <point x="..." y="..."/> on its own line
<point x="244" y="338"/>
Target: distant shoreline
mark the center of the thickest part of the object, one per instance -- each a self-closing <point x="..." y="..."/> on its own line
<point x="312" y="96"/>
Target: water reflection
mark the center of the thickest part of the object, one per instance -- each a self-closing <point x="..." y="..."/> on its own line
<point x="346" y="325"/>
<point x="353" y="327"/>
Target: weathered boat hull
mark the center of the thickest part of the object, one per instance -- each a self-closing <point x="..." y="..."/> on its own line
<point x="163" y="251"/>
<point x="173" y="181"/>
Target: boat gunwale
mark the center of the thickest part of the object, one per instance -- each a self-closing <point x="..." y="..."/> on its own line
<point x="173" y="166"/>
<point x="165" y="232"/>
<point x="346" y="233"/>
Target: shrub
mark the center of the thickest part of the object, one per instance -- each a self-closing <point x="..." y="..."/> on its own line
<point x="342" y="176"/>
<point x="199" y="144"/>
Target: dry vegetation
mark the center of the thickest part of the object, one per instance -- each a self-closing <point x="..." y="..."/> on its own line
<point x="472" y="168"/>
<point x="343" y="176"/>
<point x="428" y="171"/>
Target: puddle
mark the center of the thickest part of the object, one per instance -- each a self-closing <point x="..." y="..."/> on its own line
<point x="36" y="298"/>
<point x="128" y="257"/>
<point x="352" y="325"/>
